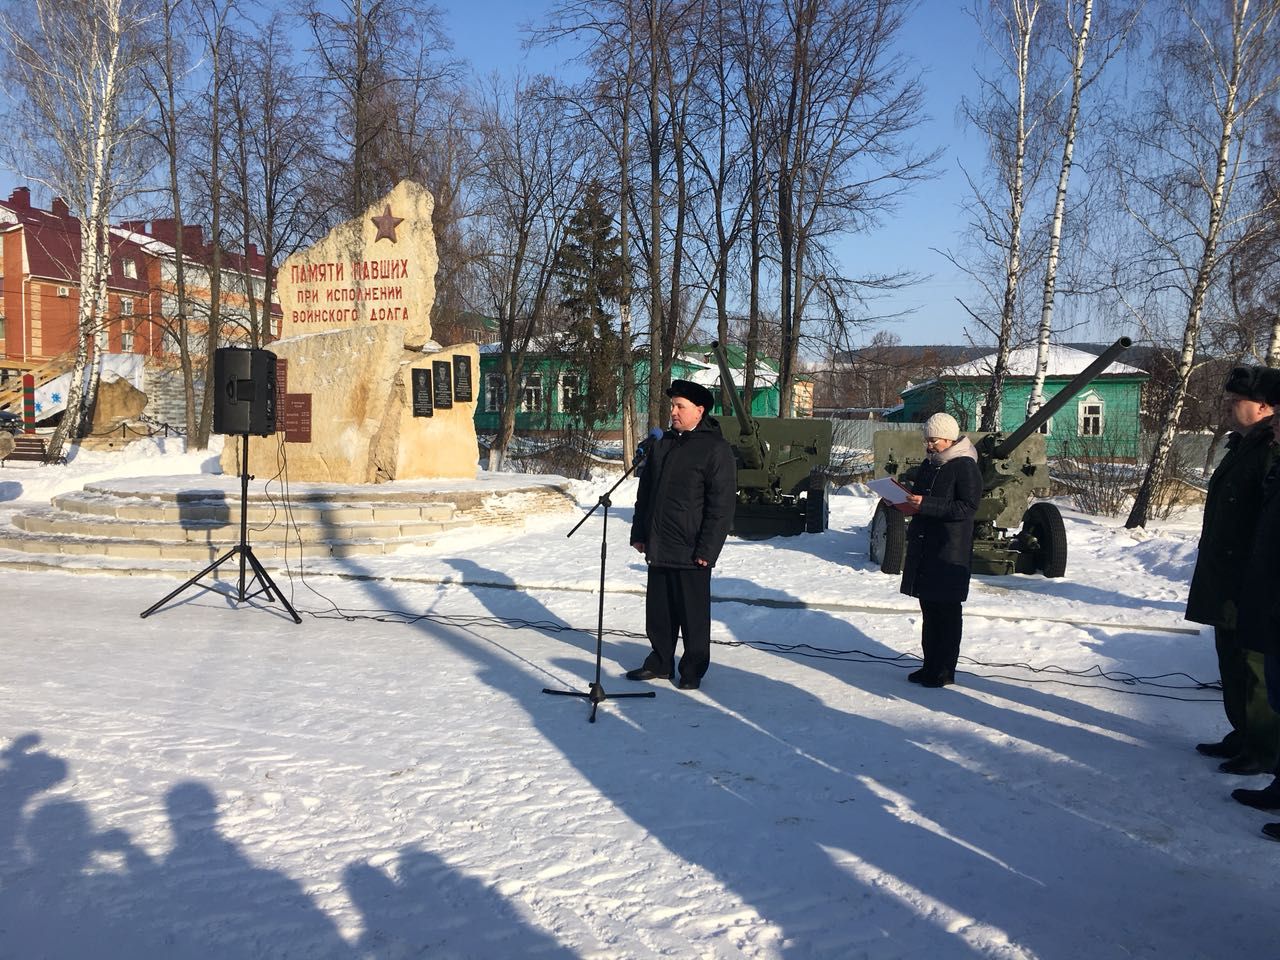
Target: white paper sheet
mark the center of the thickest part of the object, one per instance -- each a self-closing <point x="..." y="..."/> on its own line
<point x="890" y="489"/>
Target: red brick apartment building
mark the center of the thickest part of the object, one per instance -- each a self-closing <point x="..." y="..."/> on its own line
<point x="40" y="285"/>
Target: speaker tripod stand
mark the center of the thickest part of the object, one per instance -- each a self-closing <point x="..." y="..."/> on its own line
<point x="595" y="694"/>
<point x="265" y="585"/>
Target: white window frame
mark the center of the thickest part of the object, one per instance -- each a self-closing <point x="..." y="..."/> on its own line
<point x="570" y="389"/>
<point x="531" y="393"/>
<point x="1086" y="416"/>
<point x="126" y="306"/>
<point x="130" y="268"/>
<point x="1047" y="427"/>
<point x="126" y="340"/>
<point x="494" y="388"/>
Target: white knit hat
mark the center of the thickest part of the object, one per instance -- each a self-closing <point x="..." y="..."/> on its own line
<point x="943" y="426"/>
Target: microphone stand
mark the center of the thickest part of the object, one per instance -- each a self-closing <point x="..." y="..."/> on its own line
<point x="595" y="694"/>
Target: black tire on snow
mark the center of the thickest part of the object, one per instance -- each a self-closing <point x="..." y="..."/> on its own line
<point x="816" y="508"/>
<point x="1043" y="522"/>
<point x="888" y="545"/>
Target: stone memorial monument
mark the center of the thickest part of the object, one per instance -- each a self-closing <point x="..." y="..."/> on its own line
<point x="364" y="395"/>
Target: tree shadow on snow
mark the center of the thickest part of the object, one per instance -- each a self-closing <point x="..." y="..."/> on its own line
<point x="902" y="840"/>
<point x="1065" y="589"/>
<point x="682" y="771"/>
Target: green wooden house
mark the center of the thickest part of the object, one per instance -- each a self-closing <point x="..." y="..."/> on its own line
<point x="550" y="382"/>
<point x="1103" y="419"/>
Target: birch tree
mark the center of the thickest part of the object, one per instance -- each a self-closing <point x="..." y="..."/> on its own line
<point x="1217" y="77"/>
<point x="78" y="126"/>
<point x="1010" y="114"/>
<point x="1077" y="19"/>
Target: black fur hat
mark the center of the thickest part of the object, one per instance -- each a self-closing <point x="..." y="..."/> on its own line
<point x="1254" y="383"/>
<point x="1269" y="385"/>
<point x="695" y="393"/>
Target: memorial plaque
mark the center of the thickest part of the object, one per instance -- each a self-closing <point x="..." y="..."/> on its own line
<point x="422" y="393"/>
<point x="282" y="389"/>
<point x="462" y="379"/>
<point x="442" y="374"/>
<point x="296" y="414"/>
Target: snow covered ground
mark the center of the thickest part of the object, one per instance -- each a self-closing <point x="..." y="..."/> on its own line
<point x="388" y="779"/>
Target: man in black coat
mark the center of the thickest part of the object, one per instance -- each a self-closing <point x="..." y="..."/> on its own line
<point x="1231" y="509"/>
<point x="684" y="508"/>
<point x="1258" y="618"/>
<point x="945" y="496"/>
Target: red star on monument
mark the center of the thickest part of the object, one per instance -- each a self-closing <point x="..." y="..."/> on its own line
<point x="386" y="225"/>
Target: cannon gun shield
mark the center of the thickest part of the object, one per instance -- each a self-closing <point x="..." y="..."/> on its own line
<point x="783" y="486"/>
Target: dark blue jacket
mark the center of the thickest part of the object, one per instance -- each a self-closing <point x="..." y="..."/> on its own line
<point x="940" y="536"/>
<point x="684" y="503"/>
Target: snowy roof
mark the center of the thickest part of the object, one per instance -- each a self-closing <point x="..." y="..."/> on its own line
<point x="1063" y="362"/>
<point x="544" y="344"/>
<point x="157" y="248"/>
<point x="706" y="370"/>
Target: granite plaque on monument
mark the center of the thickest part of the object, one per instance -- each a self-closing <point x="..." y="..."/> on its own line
<point x="462" y="379"/>
<point x="422" y="393"/>
<point x="442" y="374"/>
<point x="282" y="389"/>
<point x="296" y="412"/>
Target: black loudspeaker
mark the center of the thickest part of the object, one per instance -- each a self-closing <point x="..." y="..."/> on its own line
<point x="244" y="391"/>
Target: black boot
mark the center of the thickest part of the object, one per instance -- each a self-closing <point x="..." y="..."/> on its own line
<point x="918" y="676"/>
<point x="939" y="679"/>
<point x="1268" y="798"/>
<point x="1242" y="766"/>
<point x="1224" y="749"/>
<point x="1271" y="831"/>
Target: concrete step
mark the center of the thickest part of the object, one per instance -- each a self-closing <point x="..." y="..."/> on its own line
<point x="193" y="552"/>
<point x="177" y="525"/>
<point x="216" y="508"/>
<point x="55" y="522"/>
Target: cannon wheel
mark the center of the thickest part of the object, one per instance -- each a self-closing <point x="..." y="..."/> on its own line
<point x="888" y="538"/>
<point x="816" y="509"/>
<point x="1044" y="522"/>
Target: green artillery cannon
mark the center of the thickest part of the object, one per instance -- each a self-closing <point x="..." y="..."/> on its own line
<point x="782" y="468"/>
<point x="1014" y="469"/>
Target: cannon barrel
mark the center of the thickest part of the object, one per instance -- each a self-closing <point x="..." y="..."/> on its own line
<point x="752" y="448"/>
<point x="1056" y="402"/>
<point x="726" y="380"/>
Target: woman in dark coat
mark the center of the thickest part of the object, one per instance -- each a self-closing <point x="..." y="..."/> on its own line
<point x="945" y="494"/>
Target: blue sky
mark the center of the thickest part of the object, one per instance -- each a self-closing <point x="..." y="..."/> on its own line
<point x="945" y="42"/>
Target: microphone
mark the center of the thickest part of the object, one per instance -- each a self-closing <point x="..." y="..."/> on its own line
<point x="646" y="445"/>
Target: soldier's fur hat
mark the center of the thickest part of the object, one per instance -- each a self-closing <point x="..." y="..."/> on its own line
<point x="1254" y="383"/>
<point x="695" y="393"/>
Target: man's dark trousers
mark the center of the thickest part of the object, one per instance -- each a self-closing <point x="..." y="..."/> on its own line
<point x="1255" y="727"/>
<point x="678" y="601"/>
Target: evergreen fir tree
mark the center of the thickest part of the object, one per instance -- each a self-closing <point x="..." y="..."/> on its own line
<point x="590" y="267"/>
